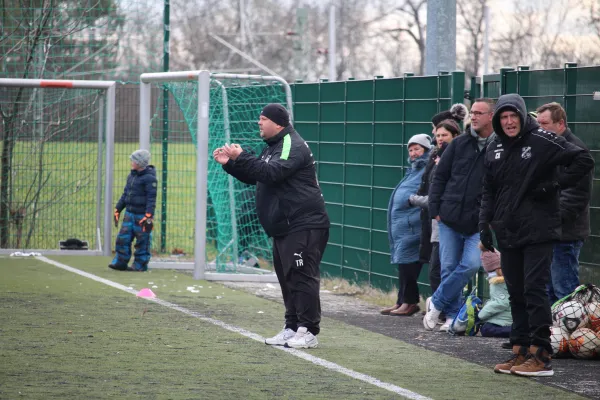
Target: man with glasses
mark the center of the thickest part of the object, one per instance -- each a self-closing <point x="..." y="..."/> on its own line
<point x="454" y="202"/>
<point x="574" y="211"/>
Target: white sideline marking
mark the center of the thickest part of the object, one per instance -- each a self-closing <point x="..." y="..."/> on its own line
<point x="298" y="353"/>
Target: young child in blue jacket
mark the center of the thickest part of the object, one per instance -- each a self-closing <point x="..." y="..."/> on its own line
<point x="139" y="201"/>
<point x="495" y="314"/>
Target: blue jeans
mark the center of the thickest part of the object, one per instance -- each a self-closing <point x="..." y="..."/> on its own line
<point x="131" y="229"/>
<point x="460" y="258"/>
<point x="564" y="269"/>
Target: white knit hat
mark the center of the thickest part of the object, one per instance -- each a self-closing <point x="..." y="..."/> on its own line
<point x="422" y="139"/>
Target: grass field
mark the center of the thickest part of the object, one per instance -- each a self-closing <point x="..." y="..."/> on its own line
<point x="64" y="335"/>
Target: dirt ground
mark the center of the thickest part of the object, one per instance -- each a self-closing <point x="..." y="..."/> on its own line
<point x="579" y="376"/>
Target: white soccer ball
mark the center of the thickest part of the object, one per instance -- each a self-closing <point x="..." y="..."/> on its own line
<point x="593" y="314"/>
<point x="570" y="316"/>
<point x="559" y="339"/>
<point x="584" y="343"/>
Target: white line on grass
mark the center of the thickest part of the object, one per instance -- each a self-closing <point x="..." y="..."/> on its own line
<point x="298" y="353"/>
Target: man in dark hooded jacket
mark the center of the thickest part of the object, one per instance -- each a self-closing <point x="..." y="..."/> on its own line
<point x="520" y="202"/>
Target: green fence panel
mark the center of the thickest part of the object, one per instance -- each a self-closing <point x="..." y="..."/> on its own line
<point x="358" y="131"/>
<point x="491" y="86"/>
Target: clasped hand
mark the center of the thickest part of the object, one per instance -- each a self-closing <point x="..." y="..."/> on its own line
<point x="227" y="152"/>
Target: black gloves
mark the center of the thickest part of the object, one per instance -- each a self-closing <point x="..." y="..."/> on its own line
<point x="486" y="238"/>
<point x="545" y="190"/>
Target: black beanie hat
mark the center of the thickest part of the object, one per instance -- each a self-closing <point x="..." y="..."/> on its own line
<point x="457" y="112"/>
<point x="276" y="113"/>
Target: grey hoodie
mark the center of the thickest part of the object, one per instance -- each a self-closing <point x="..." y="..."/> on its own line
<point x="482" y="141"/>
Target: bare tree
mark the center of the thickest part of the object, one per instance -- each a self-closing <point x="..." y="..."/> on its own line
<point x="594" y="12"/>
<point x="543" y="34"/>
<point x="513" y="47"/>
<point x="289" y="39"/>
<point x="471" y="17"/>
<point x="410" y="21"/>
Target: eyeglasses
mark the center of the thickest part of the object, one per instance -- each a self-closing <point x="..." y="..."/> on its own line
<point x="478" y="114"/>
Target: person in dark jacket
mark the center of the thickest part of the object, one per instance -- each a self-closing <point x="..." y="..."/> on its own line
<point x="574" y="212"/>
<point x="458" y="112"/>
<point x="291" y="209"/>
<point x="454" y="198"/>
<point x="445" y="132"/>
<point x="139" y="201"/>
<point x="520" y="202"/>
<point x="404" y="229"/>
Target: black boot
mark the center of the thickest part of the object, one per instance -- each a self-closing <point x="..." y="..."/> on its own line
<point x="117" y="267"/>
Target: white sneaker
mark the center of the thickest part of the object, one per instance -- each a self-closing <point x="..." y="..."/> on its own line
<point x="303" y="340"/>
<point x="282" y="337"/>
<point x="446" y="326"/>
<point x="430" y="319"/>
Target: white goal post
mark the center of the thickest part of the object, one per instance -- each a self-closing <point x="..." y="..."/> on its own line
<point x="106" y="133"/>
<point x="204" y="81"/>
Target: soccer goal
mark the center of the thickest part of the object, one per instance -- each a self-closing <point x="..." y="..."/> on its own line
<point x="57" y="141"/>
<point x="218" y="222"/>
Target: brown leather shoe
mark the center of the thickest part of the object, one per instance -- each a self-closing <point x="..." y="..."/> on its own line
<point x="518" y="357"/>
<point x="386" y="311"/>
<point x="407" y="312"/>
<point x="537" y="364"/>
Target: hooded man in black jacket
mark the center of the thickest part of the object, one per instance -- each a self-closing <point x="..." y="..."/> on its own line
<point x="291" y="209"/>
<point x="574" y="212"/>
<point x="521" y="203"/>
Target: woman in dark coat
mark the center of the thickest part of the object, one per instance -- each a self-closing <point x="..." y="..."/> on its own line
<point x="430" y="243"/>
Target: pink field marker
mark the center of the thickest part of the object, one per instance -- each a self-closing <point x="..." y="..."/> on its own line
<point x="146" y="293"/>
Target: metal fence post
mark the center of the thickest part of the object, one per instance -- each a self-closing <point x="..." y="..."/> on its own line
<point x="570" y="92"/>
<point x="458" y="87"/>
<point x="503" y="72"/>
<point x="523" y="80"/>
<point x="475" y="90"/>
<point x="201" y="174"/>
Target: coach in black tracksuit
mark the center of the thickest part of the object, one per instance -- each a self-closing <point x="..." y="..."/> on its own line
<point x="291" y="209"/>
<point x="521" y="203"/>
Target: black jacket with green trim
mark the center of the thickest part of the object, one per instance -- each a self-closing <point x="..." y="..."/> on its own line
<point x="288" y="196"/>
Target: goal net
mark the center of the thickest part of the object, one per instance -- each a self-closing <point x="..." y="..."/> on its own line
<point x="54" y="138"/>
<point x="235" y="243"/>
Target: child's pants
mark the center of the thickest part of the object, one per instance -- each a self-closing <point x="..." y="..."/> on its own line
<point x="492" y="330"/>
<point x="131" y="229"/>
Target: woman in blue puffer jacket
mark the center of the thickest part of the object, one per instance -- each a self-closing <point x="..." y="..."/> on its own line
<point x="404" y="229"/>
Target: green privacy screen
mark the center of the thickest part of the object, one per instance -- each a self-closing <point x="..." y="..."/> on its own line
<point x="357" y="131"/>
<point x="573" y="88"/>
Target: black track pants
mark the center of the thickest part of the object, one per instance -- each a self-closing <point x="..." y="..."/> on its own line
<point x="296" y="258"/>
